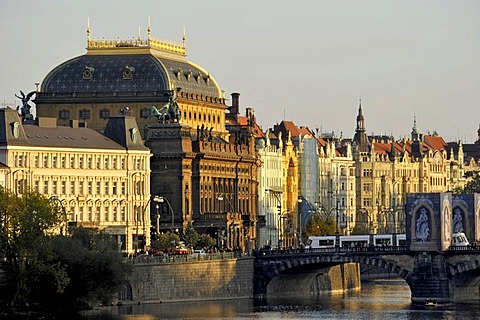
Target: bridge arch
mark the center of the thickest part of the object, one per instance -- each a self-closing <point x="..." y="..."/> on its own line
<point x="268" y="269"/>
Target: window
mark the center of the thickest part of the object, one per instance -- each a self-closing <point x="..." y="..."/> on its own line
<point x="45" y="187"/>
<point x="64" y="187"/>
<point x="80" y="187"/>
<point x="98" y="188"/>
<point x="84" y="114"/>
<point x="107" y="189"/>
<point x="64" y="114"/>
<point x="104" y="114"/>
<point x="114" y="188"/>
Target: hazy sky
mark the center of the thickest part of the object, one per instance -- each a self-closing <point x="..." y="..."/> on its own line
<point x="306" y="61"/>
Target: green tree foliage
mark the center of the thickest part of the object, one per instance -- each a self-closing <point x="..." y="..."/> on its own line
<point x="26" y="223"/>
<point x="95" y="270"/>
<point x="205" y="241"/>
<point x="164" y="241"/>
<point x="473" y="184"/>
<point x="190" y="236"/>
<point x="318" y="226"/>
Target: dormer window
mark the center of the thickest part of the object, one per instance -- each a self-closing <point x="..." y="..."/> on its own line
<point x="128" y="73"/>
<point x="88" y="73"/>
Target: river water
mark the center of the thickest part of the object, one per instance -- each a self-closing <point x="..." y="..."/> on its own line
<point x="379" y="299"/>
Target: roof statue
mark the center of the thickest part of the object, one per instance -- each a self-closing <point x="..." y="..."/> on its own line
<point x="169" y="113"/>
<point x="25" y="108"/>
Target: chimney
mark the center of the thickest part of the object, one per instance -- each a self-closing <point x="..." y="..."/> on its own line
<point x="234" y="109"/>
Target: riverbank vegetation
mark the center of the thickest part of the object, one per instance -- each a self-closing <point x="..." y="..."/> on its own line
<point x="47" y="270"/>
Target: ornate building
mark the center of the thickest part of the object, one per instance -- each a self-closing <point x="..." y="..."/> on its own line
<point x="386" y="170"/>
<point x="100" y="181"/>
<point x="203" y="174"/>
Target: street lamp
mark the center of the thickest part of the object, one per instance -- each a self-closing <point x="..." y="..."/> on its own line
<point x="137" y="240"/>
<point x="163" y="199"/>
<point x="300" y="200"/>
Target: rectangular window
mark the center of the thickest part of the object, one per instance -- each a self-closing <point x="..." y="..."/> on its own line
<point x="72" y="187"/>
<point x="90" y="187"/>
<point x="45" y="187"/>
<point x="123" y="188"/>
<point x="114" y="187"/>
<point x="64" y="187"/>
<point x="80" y="187"/>
<point x="84" y="114"/>
<point x="104" y="114"/>
<point x="98" y="188"/>
<point x="72" y="162"/>
<point x="107" y="185"/>
<point x="64" y="114"/>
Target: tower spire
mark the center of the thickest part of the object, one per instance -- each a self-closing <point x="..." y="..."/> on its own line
<point x="360" y="118"/>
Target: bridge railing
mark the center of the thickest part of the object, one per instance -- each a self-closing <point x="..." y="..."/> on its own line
<point x="475" y="248"/>
<point x="389" y="249"/>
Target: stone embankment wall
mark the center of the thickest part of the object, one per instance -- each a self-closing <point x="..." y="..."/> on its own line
<point x="200" y="280"/>
<point x="315" y="282"/>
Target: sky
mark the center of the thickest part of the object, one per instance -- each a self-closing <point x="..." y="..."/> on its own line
<point x="306" y="61"/>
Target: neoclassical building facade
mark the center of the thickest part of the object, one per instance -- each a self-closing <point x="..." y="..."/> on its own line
<point x="100" y="181"/>
<point x="205" y="173"/>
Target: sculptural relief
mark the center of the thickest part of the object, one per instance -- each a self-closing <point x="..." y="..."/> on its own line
<point x="422" y="231"/>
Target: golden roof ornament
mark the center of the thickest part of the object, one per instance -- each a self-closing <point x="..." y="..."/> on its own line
<point x="139" y="43"/>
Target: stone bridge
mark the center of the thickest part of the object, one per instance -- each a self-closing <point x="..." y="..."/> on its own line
<point x="451" y="275"/>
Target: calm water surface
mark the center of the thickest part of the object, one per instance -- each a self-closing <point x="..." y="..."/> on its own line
<point x="381" y="299"/>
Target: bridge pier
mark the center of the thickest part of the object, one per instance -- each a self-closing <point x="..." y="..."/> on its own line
<point x="429" y="279"/>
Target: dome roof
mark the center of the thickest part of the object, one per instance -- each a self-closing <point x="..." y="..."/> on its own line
<point x="128" y="68"/>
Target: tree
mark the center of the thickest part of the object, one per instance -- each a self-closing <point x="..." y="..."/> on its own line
<point x="205" y="241"/>
<point x="27" y="222"/>
<point x="317" y="226"/>
<point x="473" y="184"/>
<point x="190" y="236"/>
<point x="95" y="270"/>
<point x="164" y="241"/>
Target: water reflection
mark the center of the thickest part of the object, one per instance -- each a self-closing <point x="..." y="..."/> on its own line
<point x="382" y="299"/>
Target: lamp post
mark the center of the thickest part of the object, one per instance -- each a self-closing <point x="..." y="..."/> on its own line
<point x="300" y="200"/>
<point x="137" y="240"/>
<point x="163" y="199"/>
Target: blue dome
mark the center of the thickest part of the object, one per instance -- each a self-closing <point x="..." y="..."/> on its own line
<point x="128" y="73"/>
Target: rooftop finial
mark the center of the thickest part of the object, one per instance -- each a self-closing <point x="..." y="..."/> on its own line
<point x="149" y="30"/>
<point x="88" y="28"/>
<point x="184" y="37"/>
